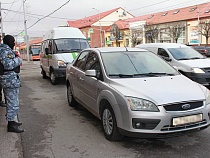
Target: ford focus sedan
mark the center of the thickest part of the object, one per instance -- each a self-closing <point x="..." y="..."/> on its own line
<point x="136" y="93"/>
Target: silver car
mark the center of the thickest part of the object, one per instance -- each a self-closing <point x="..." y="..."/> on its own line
<point x="136" y="93"/>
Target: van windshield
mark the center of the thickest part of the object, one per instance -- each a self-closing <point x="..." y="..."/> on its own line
<point x="70" y="45"/>
<point x="185" y="53"/>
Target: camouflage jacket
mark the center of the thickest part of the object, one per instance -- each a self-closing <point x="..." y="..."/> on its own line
<point x="8" y="58"/>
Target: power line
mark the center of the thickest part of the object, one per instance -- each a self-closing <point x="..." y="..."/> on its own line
<point x="49" y="14"/>
<point x="11" y="2"/>
<point x="148" y="5"/>
<point x="172" y="6"/>
<point x="28" y="14"/>
<point x="9" y="8"/>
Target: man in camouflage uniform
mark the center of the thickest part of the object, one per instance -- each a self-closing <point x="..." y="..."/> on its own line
<point x="10" y="82"/>
<point x="2" y="104"/>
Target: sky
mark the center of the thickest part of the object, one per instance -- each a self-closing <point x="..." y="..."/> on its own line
<point x="36" y="11"/>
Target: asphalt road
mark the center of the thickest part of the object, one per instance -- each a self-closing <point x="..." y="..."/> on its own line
<point x="55" y="130"/>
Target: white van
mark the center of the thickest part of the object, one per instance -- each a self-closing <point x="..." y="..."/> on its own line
<point x="60" y="46"/>
<point x="187" y="60"/>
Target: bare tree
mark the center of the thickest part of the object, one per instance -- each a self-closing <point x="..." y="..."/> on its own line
<point x="116" y="34"/>
<point x="134" y="36"/>
<point x="176" y="30"/>
<point x="204" y="29"/>
<point x="151" y="32"/>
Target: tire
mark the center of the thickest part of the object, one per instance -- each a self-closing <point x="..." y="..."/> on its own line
<point x="71" y="101"/>
<point x="53" y="79"/>
<point x="44" y="76"/>
<point x="109" y="124"/>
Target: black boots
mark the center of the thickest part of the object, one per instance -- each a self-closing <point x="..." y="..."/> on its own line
<point x="13" y="126"/>
<point x="2" y="104"/>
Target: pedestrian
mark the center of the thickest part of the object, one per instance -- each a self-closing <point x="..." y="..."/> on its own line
<point x="2" y="104"/>
<point x="10" y="82"/>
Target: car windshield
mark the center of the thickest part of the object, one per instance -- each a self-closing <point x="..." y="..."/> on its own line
<point x="71" y="45"/>
<point x="185" y="53"/>
<point x="135" y="64"/>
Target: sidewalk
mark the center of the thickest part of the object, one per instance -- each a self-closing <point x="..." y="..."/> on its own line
<point x="10" y="143"/>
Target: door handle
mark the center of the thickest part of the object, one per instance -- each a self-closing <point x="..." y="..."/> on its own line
<point x="81" y="79"/>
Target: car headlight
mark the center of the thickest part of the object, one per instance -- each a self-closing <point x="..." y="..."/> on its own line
<point x="61" y="63"/>
<point x="197" y="70"/>
<point x="208" y="98"/>
<point x="137" y="104"/>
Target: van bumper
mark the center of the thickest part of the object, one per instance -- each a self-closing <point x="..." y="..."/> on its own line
<point x="202" y="78"/>
<point x="60" y="72"/>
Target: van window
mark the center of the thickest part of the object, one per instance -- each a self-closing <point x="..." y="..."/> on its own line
<point x="162" y="52"/>
<point x="70" y="45"/>
<point x="185" y="53"/>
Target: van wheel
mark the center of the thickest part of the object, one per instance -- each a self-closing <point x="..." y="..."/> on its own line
<point x="109" y="124"/>
<point x="44" y="76"/>
<point x="71" y="101"/>
<point x="53" y="79"/>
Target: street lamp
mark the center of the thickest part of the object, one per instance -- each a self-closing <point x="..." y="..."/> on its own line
<point x="99" y="20"/>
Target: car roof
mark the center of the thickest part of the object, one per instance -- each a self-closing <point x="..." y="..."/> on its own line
<point x="115" y="49"/>
<point x="164" y="45"/>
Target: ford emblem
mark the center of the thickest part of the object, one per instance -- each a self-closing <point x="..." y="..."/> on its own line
<point x="186" y="106"/>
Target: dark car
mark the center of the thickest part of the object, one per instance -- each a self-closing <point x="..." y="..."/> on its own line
<point x="204" y="50"/>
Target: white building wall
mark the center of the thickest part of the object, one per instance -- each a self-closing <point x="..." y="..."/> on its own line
<point x="113" y="17"/>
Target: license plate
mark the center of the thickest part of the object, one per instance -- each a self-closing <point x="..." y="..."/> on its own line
<point x="187" y="119"/>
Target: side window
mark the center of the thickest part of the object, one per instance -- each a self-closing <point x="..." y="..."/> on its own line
<point x="162" y="52"/>
<point x="50" y="46"/>
<point x="93" y="63"/>
<point x="80" y="62"/>
<point x="44" y="46"/>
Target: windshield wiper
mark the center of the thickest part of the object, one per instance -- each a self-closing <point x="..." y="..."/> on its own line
<point x="196" y="58"/>
<point x="69" y="50"/>
<point x="64" y="50"/>
<point x="155" y="74"/>
<point x="184" y="59"/>
<point x="121" y="75"/>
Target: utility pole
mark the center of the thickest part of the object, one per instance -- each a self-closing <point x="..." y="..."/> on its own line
<point x="26" y="35"/>
<point x="99" y="15"/>
<point x="1" y="22"/>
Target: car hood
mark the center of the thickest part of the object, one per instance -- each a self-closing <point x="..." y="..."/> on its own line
<point x="160" y="90"/>
<point x="66" y="57"/>
<point x="200" y="63"/>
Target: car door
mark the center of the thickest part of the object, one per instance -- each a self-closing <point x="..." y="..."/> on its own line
<point x="90" y="85"/>
<point x="43" y="56"/>
<point x="77" y="74"/>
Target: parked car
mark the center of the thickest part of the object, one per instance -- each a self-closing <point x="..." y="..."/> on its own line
<point x="188" y="61"/>
<point x="204" y="50"/>
<point x="136" y="93"/>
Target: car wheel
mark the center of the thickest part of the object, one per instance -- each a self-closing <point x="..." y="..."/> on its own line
<point x="53" y="79"/>
<point x="109" y="124"/>
<point x="44" y="76"/>
<point x="71" y="101"/>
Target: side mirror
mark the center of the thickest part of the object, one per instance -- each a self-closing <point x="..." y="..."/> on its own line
<point x="47" y="51"/>
<point x="91" y="73"/>
<point x="166" y="59"/>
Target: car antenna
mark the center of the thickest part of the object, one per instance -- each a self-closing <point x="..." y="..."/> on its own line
<point x="126" y="48"/>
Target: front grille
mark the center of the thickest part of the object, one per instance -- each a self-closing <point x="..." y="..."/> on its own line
<point x="181" y="106"/>
<point x="180" y="127"/>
